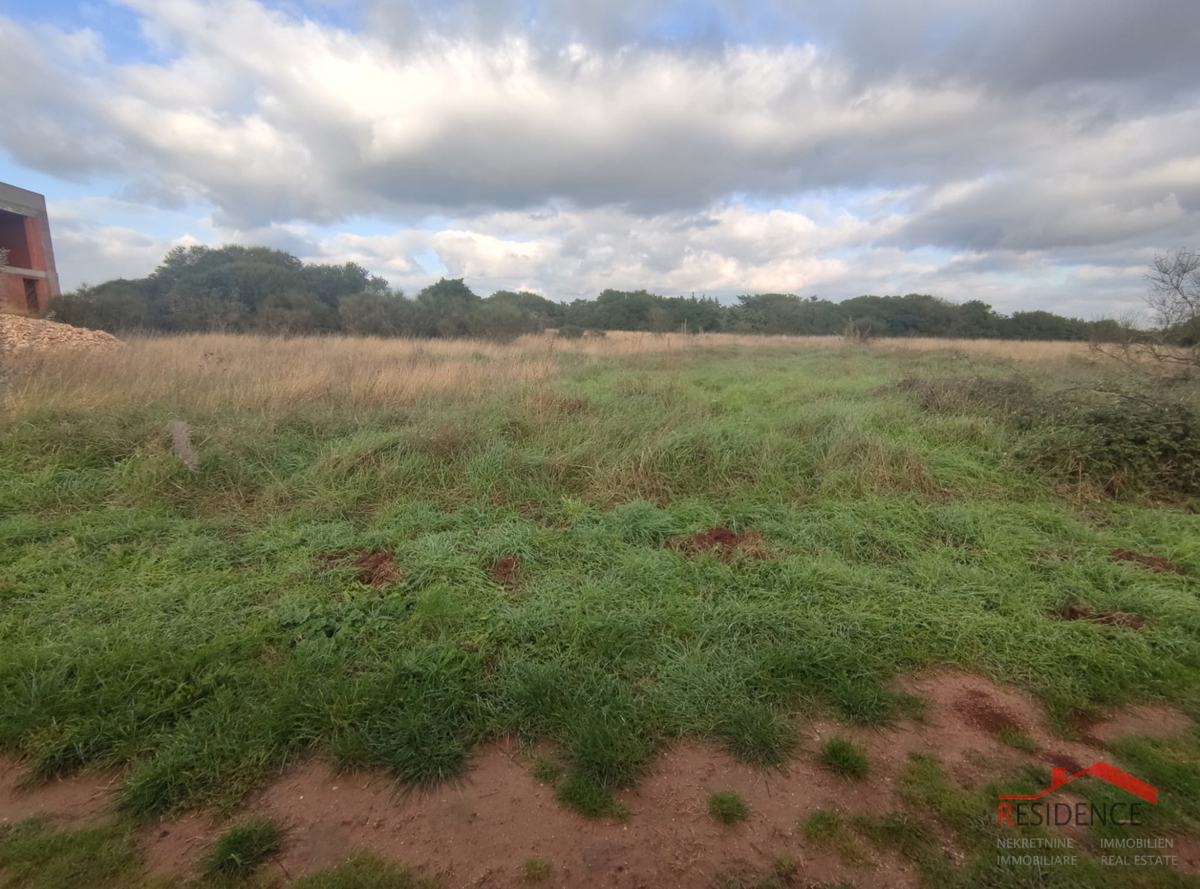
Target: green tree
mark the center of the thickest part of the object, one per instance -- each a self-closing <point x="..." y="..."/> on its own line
<point x="371" y="313"/>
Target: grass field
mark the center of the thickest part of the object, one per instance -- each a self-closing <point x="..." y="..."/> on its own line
<point x="526" y="505"/>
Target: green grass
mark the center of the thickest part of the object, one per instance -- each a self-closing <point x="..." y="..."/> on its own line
<point x="535" y="870"/>
<point x="901" y="539"/>
<point x="936" y="804"/>
<point x="727" y="807"/>
<point x="829" y="829"/>
<point x="242" y="848"/>
<point x="546" y="770"/>
<point x="845" y="759"/>
<point x="1017" y="739"/>
<point x="34" y="855"/>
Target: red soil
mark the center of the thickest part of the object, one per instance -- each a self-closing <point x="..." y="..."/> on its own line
<point x="1155" y="563"/>
<point x="480" y="831"/>
<point x="722" y="543"/>
<point x="1108" y="616"/>
<point x="376" y="567"/>
<point x="979" y="709"/>
<point x="82" y="797"/>
<point x="506" y="571"/>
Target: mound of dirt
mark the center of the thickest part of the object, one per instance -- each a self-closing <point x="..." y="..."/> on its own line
<point x="982" y="712"/>
<point x="506" y="571"/>
<point x="376" y="567"/>
<point x="20" y="334"/>
<point x="722" y="543"/>
<point x="1155" y="563"/>
<point x="1109" y="616"/>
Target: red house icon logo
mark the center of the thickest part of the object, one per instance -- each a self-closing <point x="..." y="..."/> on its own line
<point x="1058" y="779"/>
<point x="1102" y="770"/>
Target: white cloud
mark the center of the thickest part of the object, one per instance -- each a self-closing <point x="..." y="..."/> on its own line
<point x="567" y="163"/>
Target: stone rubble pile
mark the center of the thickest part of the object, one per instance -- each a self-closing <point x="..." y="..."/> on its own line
<point x="22" y="335"/>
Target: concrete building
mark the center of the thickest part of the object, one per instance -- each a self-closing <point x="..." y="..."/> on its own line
<point x="28" y="278"/>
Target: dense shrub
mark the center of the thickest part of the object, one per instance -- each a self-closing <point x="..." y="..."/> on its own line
<point x="1009" y="397"/>
<point x="1122" y="442"/>
<point x="1133" y="444"/>
<point x="570" y="332"/>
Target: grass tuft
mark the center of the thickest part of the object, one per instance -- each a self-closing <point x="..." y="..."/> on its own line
<point x="243" y="848"/>
<point x="728" y="808"/>
<point x="844" y="758"/>
<point x="588" y="798"/>
<point x="536" y="870"/>
<point x="828" y="828"/>
<point x="1017" y="739"/>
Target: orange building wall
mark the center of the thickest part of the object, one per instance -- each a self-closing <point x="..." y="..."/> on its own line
<point x="27" y="252"/>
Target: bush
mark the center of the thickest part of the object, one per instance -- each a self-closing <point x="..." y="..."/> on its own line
<point x="570" y="332"/>
<point x="1136" y="443"/>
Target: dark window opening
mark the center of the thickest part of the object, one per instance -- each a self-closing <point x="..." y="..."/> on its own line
<point x="31" y="299"/>
<point x="13" y="237"/>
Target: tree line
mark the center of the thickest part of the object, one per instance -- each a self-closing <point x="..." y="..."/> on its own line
<point x="258" y="289"/>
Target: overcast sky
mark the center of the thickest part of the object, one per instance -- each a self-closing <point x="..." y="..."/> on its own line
<point x="1031" y="153"/>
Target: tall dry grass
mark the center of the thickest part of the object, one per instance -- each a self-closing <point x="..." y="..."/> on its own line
<point x="634" y="342"/>
<point x="215" y="371"/>
<point x="222" y="371"/>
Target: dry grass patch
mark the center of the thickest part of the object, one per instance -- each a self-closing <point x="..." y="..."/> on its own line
<point x="273" y="374"/>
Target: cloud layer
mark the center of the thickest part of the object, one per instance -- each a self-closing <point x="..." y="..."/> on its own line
<point x="992" y="150"/>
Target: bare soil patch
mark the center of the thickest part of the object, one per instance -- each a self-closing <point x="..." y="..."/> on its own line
<point x="376" y="567"/>
<point x="1145" y="720"/>
<point x="966" y="714"/>
<point x="481" y="830"/>
<point x="79" y="798"/>
<point x="506" y="571"/>
<point x="1062" y="760"/>
<point x="1107" y="616"/>
<point x="1155" y="563"/>
<point x="981" y="710"/>
<point x="722" y="543"/>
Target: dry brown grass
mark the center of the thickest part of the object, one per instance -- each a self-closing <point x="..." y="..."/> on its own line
<point x="214" y="371"/>
<point x="634" y="342"/>
<point x="274" y="374"/>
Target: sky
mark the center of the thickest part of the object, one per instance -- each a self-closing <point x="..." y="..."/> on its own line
<point x="1032" y="154"/>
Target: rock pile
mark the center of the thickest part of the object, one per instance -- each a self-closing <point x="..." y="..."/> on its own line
<point x="22" y="335"/>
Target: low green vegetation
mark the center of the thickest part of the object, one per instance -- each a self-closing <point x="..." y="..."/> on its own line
<point x="536" y="870"/>
<point x="844" y="758"/>
<point x="727" y="807"/>
<point x="936" y="804"/>
<point x="34" y="855"/>
<point x="200" y="628"/>
<point x="546" y="770"/>
<point x="242" y="848"/>
<point x="1017" y="739"/>
<point x="829" y="829"/>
